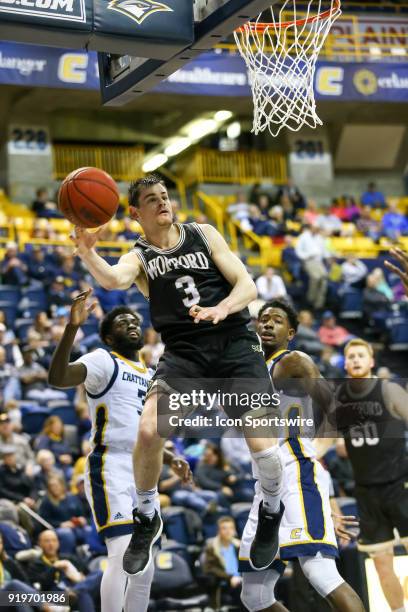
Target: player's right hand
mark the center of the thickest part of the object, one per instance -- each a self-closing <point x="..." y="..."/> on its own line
<point x="84" y="240"/>
<point x="79" y="310"/>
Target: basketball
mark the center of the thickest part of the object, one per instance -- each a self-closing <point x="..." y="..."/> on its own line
<point x="88" y="197"/>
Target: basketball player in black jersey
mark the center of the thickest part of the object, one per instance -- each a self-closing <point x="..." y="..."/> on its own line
<point x="372" y="414"/>
<point x="199" y="292"/>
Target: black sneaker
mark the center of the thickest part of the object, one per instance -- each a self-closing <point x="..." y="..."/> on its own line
<point x="265" y="544"/>
<point x="138" y="554"/>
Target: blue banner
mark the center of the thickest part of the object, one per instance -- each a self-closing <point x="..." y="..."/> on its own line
<point x="212" y="74"/>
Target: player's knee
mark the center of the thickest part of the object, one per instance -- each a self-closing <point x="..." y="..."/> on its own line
<point x="258" y="590"/>
<point x="147" y="434"/>
<point x="322" y="573"/>
<point x="269" y="463"/>
<point x="384" y="564"/>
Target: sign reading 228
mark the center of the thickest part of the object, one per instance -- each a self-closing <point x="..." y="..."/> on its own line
<point x="26" y="140"/>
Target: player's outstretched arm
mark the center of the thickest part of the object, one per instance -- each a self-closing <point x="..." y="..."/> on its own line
<point x="396" y="400"/>
<point x="119" y="276"/>
<point x="63" y="374"/>
<point x="402" y="257"/>
<point x="243" y="287"/>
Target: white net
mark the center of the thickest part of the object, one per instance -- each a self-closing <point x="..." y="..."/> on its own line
<point x="281" y="60"/>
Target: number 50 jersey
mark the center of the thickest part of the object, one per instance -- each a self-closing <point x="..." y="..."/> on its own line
<point x="181" y="277"/>
<point x="375" y="439"/>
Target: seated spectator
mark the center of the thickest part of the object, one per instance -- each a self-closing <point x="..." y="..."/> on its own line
<point x="20" y="443"/>
<point x="52" y="438"/>
<point x="69" y="272"/>
<point x="340" y="469"/>
<point x="58" y="295"/>
<point x="351" y="208"/>
<point x="13" y="578"/>
<point x="270" y="285"/>
<point x="127" y="233"/>
<point x="381" y="283"/>
<point x="42" y="204"/>
<point x="13" y="353"/>
<point x="286" y="207"/>
<point x="39" y="334"/>
<point x="261" y="224"/>
<point x="311" y="212"/>
<point x="13" y="269"/>
<point x="263" y="203"/>
<point x="60" y="508"/>
<point x="372" y="197"/>
<point x="330" y="333"/>
<point x="38" y="268"/>
<point x="15" y="485"/>
<point x="353" y="272"/>
<point x="307" y="338"/>
<point x="80" y="463"/>
<point x="368" y="226"/>
<point x="394" y="224"/>
<point x="329" y="362"/>
<point x="294" y="194"/>
<point x="9" y="384"/>
<point x="44" y="469"/>
<point x="239" y="211"/>
<point x="66" y="573"/>
<point x="312" y="251"/>
<point x="375" y="299"/>
<point x="189" y="496"/>
<point x="33" y="379"/>
<point x="213" y="474"/>
<point x="328" y="223"/>
<point x="221" y="562"/>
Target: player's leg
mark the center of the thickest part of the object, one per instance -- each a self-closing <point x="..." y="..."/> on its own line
<point x="390" y="584"/>
<point x="114" y="579"/>
<point x="138" y="591"/>
<point x="258" y="591"/>
<point x="323" y="575"/>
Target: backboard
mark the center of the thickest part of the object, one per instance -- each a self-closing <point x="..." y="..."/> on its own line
<point x="124" y="77"/>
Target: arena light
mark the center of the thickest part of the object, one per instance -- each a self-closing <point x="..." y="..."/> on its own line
<point x="234" y="130"/>
<point x="177" y="146"/>
<point x="202" y="127"/>
<point x="154" y="162"/>
<point x="222" y="115"/>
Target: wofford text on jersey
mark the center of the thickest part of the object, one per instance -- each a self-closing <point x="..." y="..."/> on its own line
<point x="162" y="264"/>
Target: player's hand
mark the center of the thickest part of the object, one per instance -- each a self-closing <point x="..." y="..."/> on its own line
<point x="211" y="313"/>
<point x="79" y="310"/>
<point x="84" y="240"/>
<point x="235" y="581"/>
<point x="341" y="522"/>
<point x="182" y="469"/>
<point x="402" y="257"/>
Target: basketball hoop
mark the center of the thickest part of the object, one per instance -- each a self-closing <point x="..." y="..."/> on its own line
<point x="281" y="59"/>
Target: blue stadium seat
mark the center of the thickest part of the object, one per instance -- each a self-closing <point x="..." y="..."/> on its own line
<point x="90" y="327"/>
<point x="399" y="335"/>
<point x="10" y="311"/>
<point x="35" y="294"/>
<point x="21" y="327"/>
<point x="351" y="306"/>
<point x="10" y="293"/>
<point x="33" y="421"/>
<point x="65" y="410"/>
<point x="174" y="587"/>
<point x="348" y="506"/>
<point x="175" y="524"/>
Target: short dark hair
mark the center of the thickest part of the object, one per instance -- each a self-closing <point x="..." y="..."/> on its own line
<point x="286" y="307"/>
<point x="105" y="327"/>
<point x="136" y="187"/>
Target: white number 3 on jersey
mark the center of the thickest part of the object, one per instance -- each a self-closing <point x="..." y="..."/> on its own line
<point x="186" y="284"/>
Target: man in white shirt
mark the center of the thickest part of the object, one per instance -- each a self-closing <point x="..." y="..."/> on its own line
<point x="353" y="271"/>
<point x="270" y="286"/>
<point x="311" y="250"/>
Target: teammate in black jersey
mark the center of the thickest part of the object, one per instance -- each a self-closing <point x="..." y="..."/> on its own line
<point x="373" y="414"/>
<point x="199" y="292"/>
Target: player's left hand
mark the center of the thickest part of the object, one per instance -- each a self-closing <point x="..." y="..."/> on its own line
<point x="211" y="313"/>
<point x="341" y="522"/>
<point x="182" y="469"/>
<point x="402" y="258"/>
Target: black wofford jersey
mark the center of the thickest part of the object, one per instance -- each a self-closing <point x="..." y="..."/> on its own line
<point x="375" y="440"/>
<point x="181" y="277"/>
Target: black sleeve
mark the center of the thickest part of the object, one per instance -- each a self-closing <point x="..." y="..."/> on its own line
<point x="204" y="480"/>
<point x="38" y="571"/>
<point x="16" y="571"/>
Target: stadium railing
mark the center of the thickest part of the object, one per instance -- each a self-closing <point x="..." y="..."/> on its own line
<point x="122" y="163"/>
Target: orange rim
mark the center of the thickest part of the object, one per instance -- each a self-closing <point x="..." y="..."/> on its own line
<point x="261" y="27"/>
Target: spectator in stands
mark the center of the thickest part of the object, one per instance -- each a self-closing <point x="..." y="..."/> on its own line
<point x="261" y="224"/>
<point x="254" y="193"/>
<point x="213" y="474"/>
<point x="235" y="450"/>
<point x="13" y="353"/>
<point x="307" y="338"/>
<point x="58" y="294"/>
<point x="79" y="467"/>
<point x="353" y="272"/>
<point x="311" y="212"/>
<point x="39" y="334"/>
<point x="44" y="469"/>
<point x="285" y="207"/>
<point x="394" y="224"/>
<point x="330" y="333"/>
<point x="60" y="508"/>
<point x="372" y="197"/>
<point x="340" y="469"/>
<point x="328" y="365"/>
<point x="239" y="211"/>
<point x="42" y="205"/>
<point x="55" y="572"/>
<point x="9" y="385"/>
<point x="15" y="485"/>
<point x="33" y="379"/>
<point x="127" y="233"/>
<point x="367" y="225"/>
<point x="20" y="443"/>
<point x="294" y="194"/>
<point x="37" y="266"/>
<point x="381" y="283"/>
<point x="264" y="204"/>
<point x="221" y="562"/>
<point x="13" y="269"/>
<point x="109" y="299"/>
<point x="345" y="208"/>
<point x="270" y="285"/>
<point x="52" y="438"/>
<point x="311" y="250"/>
<point x="329" y="224"/>
<point x="376" y="297"/>
<point x="69" y="272"/>
<point x="14" y="579"/>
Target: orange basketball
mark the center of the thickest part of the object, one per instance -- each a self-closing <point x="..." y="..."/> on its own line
<point x="88" y="197"/>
